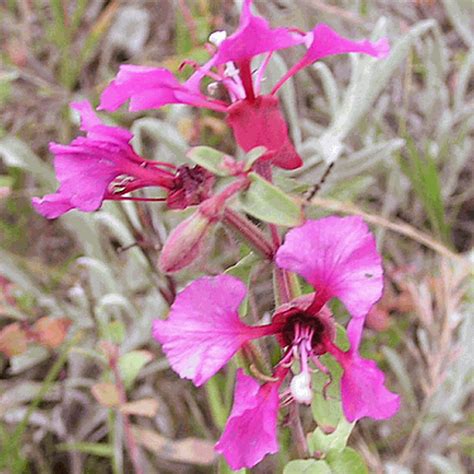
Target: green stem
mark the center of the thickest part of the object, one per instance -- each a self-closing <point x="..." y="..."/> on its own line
<point x="218" y="410"/>
<point x="111" y="436"/>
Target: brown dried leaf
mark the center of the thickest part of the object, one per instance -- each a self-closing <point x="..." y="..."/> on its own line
<point x="144" y="407"/>
<point x="51" y="332"/>
<point x="187" y="450"/>
<point x="13" y="340"/>
<point x="106" y="394"/>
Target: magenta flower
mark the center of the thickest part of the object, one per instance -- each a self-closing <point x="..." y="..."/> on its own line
<point x="103" y="165"/>
<point x="255" y="119"/>
<point x="336" y="255"/>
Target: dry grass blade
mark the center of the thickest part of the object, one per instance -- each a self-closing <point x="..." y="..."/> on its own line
<point x="396" y="226"/>
<point x="145" y="407"/>
<point x="187" y="450"/>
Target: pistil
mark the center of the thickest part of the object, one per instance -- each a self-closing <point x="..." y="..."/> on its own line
<point x="300" y="385"/>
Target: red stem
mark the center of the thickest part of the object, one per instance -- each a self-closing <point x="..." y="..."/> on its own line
<point x="281" y="275"/>
<point x="251" y="233"/>
<point x="246" y="77"/>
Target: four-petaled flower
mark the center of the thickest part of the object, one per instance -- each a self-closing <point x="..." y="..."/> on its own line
<point x="103" y="165"/>
<point x="255" y="119"/>
<point x="339" y="258"/>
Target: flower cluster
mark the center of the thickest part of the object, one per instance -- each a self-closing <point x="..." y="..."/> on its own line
<point x="336" y="256"/>
<point x="255" y="119"/>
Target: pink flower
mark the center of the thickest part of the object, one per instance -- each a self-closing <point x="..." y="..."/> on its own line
<point x="103" y="165"/>
<point x="256" y="120"/>
<point x="203" y="332"/>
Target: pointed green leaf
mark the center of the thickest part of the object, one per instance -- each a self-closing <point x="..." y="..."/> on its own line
<point x="266" y="202"/>
<point x="96" y="449"/>
<point x="345" y="461"/>
<point x="130" y="365"/>
<point x="319" y="441"/>
<point x="210" y="159"/>
<point x="253" y="155"/>
<point x="422" y="171"/>
<point x="242" y="270"/>
<point x="307" y="466"/>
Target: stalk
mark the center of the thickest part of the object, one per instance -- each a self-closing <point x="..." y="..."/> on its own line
<point x="250" y="232"/>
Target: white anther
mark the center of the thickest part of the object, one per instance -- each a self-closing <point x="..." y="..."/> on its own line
<point x="212" y="88"/>
<point x="217" y="37"/>
<point x="300" y="388"/>
<point x="230" y="70"/>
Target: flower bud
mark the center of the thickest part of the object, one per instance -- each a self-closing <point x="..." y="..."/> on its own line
<point x="186" y="242"/>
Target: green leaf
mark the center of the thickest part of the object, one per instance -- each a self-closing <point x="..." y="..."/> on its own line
<point x="319" y="441"/>
<point x="130" y="365"/>
<point x="116" y="331"/>
<point x="242" y="270"/>
<point x="423" y="174"/>
<point x="346" y="461"/>
<point x="96" y="449"/>
<point x="209" y="158"/>
<point x="16" y="153"/>
<point x="266" y="202"/>
<point x="290" y="185"/>
<point x="253" y="155"/>
<point x="307" y="466"/>
<point x="326" y="413"/>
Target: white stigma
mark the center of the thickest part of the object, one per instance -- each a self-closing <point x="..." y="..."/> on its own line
<point x="300" y="388"/>
<point x="217" y="37"/>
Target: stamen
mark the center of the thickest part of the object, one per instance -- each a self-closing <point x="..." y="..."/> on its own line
<point x="287" y="401"/>
<point x="196" y="65"/>
<point x="212" y="88"/>
<point x="326" y="371"/>
<point x="296" y="338"/>
<point x="259" y="375"/>
<point x="137" y="199"/>
<point x="287" y="359"/>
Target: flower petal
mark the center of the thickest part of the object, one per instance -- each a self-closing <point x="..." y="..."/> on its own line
<point x="85" y="171"/>
<point x="151" y="88"/>
<point x="339" y="258"/>
<point x="86" y="167"/>
<point x="52" y="206"/>
<point x="96" y="130"/>
<point x="254" y="36"/>
<point x="323" y="41"/>
<point x="260" y="123"/>
<point x="363" y="392"/>
<point x="139" y="83"/>
<point x="251" y="430"/>
<point x="203" y="330"/>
